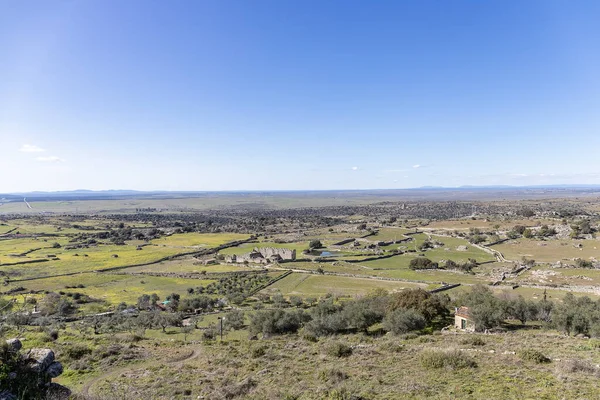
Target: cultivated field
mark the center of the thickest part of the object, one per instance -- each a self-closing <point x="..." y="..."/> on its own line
<point x="132" y="302"/>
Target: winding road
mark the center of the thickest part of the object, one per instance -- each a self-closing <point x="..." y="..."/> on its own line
<point x="86" y="389"/>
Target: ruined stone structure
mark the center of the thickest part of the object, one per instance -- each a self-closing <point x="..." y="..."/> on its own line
<point x="263" y="255"/>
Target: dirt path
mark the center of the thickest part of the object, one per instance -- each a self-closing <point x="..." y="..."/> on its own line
<point x="85" y="390"/>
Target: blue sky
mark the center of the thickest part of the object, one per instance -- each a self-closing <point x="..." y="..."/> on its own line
<point x="259" y="95"/>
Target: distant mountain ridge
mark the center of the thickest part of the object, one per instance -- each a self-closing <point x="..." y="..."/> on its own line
<point x="84" y="194"/>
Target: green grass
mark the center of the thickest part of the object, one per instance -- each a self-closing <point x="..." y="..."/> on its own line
<point x="318" y="285"/>
<point x="199" y="239"/>
<point x="387" y="234"/>
<point x="449" y="252"/>
<point x="293" y="368"/>
<point x="112" y="288"/>
<point x="189" y="265"/>
<point x="128" y="289"/>
<point x="98" y="257"/>
<point x="549" y="251"/>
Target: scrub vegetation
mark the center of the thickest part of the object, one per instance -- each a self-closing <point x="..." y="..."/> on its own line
<point x="152" y="304"/>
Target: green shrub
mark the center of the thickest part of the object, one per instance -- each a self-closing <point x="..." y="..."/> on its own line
<point x="338" y="349"/>
<point x="576" y="366"/>
<point x="308" y="336"/>
<point x="408" y="336"/>
<point x="403" y="321"/>
<point x="391" y="347"/>
<point x="258" y="351"/>
<point x="452" y="359"/>
<point x="77" y="351"/>
<point x="422" y="263"/>
<point x="533" y="356"/>
<point x="332" y="375"/>
<point x="473" y="341"/>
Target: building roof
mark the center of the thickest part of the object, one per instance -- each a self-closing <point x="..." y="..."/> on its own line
<point x="463" y="312"/>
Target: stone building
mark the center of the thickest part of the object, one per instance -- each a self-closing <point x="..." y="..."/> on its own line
<point x="462" y="319"/>
<point x="263" y="255"/>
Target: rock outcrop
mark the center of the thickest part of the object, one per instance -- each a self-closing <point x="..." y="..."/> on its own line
<point x="31" y="373"/>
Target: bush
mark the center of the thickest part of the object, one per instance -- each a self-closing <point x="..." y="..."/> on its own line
<point x="391" y="347"/>
<point x="315" y="244"/>
<point x="452" y="359"/>
<point x="431" y="306"/>
<point x="408" y="336"/>
<point x="403" y="321"/>
<point x="77" y="351"/>
<point x="276" y="321"/>
<point x="583" y="263"/>
<point x="422" y="263"/>
<point x="473" y="341"/>
<point x="235" y="320"/>
<point x="576" y="366"/>
<point x="332" y="375"/>
<point x="210" y="333"/>
<point x="533" y="356"/>
<point x="53" y="335"/>
<point x="258" y="351"/>
<point x="338" y="349"/>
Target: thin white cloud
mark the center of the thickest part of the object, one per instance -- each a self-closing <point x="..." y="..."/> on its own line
<point x="28" y="148"/>
<point x="417" y="166"/>
<point x="395" y="170"/>
<point x="50" y="159"/>
<point x="354" y="168"/>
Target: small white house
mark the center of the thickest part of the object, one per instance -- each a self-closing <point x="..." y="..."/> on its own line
<point x="462" y="319"/>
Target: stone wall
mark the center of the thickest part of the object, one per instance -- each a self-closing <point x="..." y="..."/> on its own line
<point x="264" y="255"/>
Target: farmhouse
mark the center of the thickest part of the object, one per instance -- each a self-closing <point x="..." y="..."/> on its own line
<point x="462" y="319"/>
<point x="264" y="255"/>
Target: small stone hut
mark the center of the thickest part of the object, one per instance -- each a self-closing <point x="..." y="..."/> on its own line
<point x="462" y="319"/>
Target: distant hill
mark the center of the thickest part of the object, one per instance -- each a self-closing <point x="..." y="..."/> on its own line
<point x="454" y="193"/>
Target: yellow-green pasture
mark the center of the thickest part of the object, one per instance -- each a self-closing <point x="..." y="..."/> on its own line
<point x="199" y="239"/>
<point x="113" y="288"/>
<point x="549" y="251"/>
<point x="190" y="265"/>
<point x="86" y="259"/>
<point x="318" y="285"/>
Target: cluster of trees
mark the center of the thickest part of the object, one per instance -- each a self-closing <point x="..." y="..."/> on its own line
<point x="399" y="312"/>
<point x="120" y="322"/>
<point x="236" y="287"/>
<point x="577" y="315"/>
<point x="489" y="311"/>
<point x="426" y="263"/>
<point x="464" y="267"/>
<point x="528" y="233"/>
<point x="118" y="235"/>
<point x="53" y="304"/>
<point x="422" y="263"/>
<point x="428" y="244"/>
<point x="413" y="310"/>
<point x="582" y="227"/>
<point x="476" y="236"/>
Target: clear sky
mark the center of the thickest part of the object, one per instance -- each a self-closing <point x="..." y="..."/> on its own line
<point x="297" y="94"/>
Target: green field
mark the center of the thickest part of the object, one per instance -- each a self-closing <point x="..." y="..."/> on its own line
<point x="549" y="251"/>
<point x="319" y="285"/>
<point x="189" y="265"/>
<point x="199" y="239"/>
<point x="85" y="260"/>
